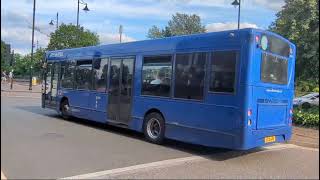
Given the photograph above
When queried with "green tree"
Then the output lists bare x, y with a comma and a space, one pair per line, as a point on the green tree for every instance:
166, 32
4, 66
155, 32
3, 48
38, 58
21, 66
71, 36
180, 24
299, 22
23, 63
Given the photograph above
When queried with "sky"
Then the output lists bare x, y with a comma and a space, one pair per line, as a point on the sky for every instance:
136, 17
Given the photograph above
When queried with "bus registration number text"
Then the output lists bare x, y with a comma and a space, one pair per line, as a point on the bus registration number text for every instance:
269, 139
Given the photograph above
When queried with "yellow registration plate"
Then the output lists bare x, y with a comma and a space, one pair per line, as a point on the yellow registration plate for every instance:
269, 139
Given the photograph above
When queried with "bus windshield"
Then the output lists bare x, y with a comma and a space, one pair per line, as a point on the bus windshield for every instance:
274, 69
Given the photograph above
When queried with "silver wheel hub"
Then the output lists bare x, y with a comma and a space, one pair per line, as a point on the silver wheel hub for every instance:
153, 128
66, 107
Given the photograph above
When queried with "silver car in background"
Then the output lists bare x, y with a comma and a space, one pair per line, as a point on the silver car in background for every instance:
307, 100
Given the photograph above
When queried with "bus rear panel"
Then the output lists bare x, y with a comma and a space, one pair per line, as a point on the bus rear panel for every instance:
270, 91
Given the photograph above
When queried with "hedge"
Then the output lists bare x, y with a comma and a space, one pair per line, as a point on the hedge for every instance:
306, 117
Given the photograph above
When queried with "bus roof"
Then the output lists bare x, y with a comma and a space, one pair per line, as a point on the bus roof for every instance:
184, 42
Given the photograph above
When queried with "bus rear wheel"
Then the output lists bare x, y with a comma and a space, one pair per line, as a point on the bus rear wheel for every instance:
65, 108
154, 128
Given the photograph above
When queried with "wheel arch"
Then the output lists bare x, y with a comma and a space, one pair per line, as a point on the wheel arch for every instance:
153, 110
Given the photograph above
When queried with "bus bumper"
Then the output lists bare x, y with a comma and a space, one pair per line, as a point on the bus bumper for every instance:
264, 137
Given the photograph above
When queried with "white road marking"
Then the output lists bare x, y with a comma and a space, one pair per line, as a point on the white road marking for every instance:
3, 177
164, 163
286, 146
279, 146
157, 164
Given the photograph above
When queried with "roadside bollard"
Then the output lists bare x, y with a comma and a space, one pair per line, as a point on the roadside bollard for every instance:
11, 83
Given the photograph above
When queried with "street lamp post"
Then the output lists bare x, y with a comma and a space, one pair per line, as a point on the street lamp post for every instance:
86, 9
57, 21
32, 45
236, 3
11, 65
78, 14
120, 32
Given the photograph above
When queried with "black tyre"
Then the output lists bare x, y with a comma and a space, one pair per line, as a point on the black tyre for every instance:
306, 105
154, 128
65, 109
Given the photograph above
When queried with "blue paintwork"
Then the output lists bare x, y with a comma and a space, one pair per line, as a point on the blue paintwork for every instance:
219, 120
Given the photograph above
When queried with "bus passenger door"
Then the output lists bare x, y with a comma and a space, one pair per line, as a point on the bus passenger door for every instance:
120, 90
51, 84
54, 83
47, 85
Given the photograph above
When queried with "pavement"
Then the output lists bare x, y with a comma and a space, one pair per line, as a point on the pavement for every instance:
307, 137
37, 143
20, 89
19, 86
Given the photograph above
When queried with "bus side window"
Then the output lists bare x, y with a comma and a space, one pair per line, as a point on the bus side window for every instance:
223, 68
67, 75
189, 75
156, 76
84, 74
100, 72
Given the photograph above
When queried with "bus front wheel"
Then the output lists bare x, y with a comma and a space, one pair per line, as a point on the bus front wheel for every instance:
154, 127
65, 108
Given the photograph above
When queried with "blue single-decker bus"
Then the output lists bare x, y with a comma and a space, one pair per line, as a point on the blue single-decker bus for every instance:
230, 89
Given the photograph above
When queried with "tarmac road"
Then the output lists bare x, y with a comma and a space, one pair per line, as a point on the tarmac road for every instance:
37, 143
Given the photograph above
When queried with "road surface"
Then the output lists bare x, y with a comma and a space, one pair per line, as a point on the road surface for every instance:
37, 143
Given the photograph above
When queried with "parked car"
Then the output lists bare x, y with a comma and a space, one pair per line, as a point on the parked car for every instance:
307, 100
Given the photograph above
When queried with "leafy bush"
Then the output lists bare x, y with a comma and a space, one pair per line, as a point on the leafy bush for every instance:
305, 87
306, 117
